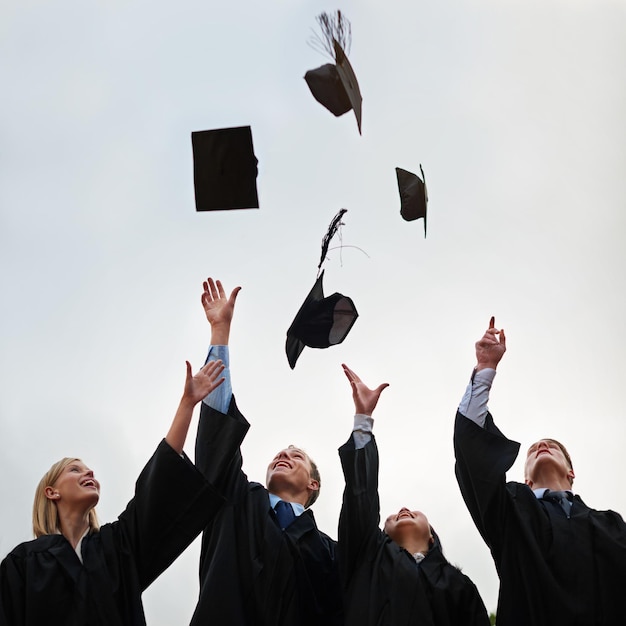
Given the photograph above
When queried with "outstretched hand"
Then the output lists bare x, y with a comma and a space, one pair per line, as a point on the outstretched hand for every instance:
491, 347
365, 399
204, 382
196, 388
218, 309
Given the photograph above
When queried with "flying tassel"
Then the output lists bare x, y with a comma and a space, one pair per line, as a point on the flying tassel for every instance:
334, 27
332, 230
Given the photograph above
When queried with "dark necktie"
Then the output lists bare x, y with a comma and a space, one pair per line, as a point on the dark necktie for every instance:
562, 498
284, 514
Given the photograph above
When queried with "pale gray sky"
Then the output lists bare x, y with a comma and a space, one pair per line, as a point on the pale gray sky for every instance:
516, 111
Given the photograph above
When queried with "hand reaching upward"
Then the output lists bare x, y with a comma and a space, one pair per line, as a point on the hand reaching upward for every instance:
491, 347
196, 388
219, 310
204, 382
365, 399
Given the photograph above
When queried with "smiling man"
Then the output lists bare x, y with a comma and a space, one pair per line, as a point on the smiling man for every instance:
293, 476
399, 575
560, 562
263, 561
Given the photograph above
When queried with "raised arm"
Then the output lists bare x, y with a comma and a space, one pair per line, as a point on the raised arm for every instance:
490, 349
360, 512
219, 312
196, 388
222, 427
483, 454
173, 502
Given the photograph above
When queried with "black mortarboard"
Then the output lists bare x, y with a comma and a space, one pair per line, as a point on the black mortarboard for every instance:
326, 87
335, 85
224, 169
321, 322
413, 195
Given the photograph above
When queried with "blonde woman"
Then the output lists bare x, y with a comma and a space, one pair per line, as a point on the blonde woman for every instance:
77, 572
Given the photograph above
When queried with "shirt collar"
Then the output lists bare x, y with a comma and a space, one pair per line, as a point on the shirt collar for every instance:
298, 508
539, 492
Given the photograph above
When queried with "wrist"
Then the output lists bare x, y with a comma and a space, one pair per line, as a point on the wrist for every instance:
220, 334
188, 402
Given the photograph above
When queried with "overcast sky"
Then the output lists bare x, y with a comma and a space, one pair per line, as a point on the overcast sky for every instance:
514, 109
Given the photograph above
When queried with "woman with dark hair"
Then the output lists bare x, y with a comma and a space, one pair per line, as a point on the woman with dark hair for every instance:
398, 576
77, 572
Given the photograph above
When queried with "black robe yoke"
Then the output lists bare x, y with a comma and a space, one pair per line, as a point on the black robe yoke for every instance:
251, 572
383, 584
554, 571
43, 582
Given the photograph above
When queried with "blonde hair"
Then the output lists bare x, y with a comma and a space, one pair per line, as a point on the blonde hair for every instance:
45, 514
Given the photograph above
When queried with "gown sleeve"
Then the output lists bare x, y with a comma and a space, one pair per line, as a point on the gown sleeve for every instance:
218, 453
360, 511
173, 503
483, 456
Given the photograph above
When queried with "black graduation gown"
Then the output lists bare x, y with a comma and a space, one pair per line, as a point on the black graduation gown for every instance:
43, 581
554, 571
252, 572
382, 582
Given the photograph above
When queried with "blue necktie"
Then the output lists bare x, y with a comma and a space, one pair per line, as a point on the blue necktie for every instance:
284, 514
562, 498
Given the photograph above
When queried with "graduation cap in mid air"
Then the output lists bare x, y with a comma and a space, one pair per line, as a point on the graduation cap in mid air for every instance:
413, 195
334, 85
224, 169
321, 322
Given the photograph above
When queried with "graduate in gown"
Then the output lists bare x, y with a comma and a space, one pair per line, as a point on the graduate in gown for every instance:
560, 562
77, 573
399, 576
257, 568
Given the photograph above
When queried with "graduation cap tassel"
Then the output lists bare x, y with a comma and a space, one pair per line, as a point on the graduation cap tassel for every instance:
321, 321
334, 27
334, 85
332, 229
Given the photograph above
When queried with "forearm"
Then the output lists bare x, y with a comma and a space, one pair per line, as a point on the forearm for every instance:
473, 405
219, 399
177, 434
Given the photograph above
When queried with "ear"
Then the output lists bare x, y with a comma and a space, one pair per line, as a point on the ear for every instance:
529, 482
313, 485
51, 494
571, 475
431, 540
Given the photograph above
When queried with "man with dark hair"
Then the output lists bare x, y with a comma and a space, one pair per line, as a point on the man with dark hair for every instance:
398, 575
560, 562
263, 561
